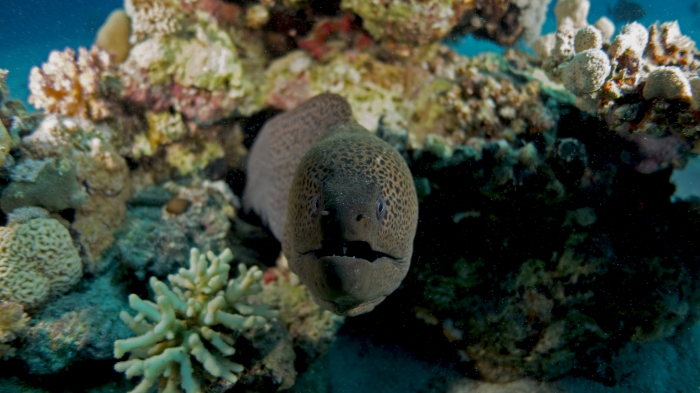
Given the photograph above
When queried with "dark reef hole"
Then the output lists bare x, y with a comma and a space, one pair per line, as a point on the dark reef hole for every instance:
77, 377
253, 124
67, 214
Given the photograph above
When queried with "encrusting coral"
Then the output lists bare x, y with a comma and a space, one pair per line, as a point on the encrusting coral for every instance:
37, 258
13, 322
194, 319
49, 183
71, 86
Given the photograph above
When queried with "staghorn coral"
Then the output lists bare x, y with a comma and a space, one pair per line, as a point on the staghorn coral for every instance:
171, 332
72, 86
37, 261
13, 323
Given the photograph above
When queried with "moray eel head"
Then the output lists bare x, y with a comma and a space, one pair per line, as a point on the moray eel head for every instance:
351, 218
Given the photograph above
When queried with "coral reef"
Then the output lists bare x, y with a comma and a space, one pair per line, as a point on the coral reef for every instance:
37, 261
13, 322
402, 26
641, 83
155, 236
171, 331
72, 86
81, 325
199, 73
312, 328
98, 166
49, 183
542, 291
455, 98
504, 21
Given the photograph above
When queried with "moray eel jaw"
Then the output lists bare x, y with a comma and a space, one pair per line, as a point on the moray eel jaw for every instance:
346, 284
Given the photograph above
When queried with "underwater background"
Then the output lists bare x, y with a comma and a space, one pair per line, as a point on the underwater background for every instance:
557, 176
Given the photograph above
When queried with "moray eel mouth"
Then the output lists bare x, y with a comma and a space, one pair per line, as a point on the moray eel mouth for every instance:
351, 249
343, 275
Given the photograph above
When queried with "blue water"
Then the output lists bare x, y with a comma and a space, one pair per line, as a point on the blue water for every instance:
30, 29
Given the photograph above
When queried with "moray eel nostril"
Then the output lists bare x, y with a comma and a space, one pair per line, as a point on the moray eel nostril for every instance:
341, 201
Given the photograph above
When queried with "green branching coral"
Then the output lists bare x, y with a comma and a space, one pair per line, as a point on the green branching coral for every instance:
181, 326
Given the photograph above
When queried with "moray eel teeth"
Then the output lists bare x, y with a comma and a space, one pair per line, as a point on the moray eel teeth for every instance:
351, 249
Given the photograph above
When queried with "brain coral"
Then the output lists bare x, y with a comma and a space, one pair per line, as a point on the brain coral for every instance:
201, 306
37, 261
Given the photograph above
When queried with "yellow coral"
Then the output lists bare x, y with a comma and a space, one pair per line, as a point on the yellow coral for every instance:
113, 35
37, 261
71, 86
13, 321
5, 144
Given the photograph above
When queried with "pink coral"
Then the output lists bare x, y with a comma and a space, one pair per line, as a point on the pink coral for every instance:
71, 86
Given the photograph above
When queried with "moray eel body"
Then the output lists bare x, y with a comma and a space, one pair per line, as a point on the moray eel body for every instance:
341, 201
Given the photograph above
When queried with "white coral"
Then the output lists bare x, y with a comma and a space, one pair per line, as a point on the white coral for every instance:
175, 329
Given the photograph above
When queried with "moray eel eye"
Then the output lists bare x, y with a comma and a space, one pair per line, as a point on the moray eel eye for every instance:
381, 207
315, 204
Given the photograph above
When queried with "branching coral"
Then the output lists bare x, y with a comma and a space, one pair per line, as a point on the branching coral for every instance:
37, 261
13, 322
70, 86
181, 326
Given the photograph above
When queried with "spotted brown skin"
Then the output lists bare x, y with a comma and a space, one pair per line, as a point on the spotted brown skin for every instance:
349, 210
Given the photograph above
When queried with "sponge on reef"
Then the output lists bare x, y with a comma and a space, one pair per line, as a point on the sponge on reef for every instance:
37, 261
113, 35
201, 306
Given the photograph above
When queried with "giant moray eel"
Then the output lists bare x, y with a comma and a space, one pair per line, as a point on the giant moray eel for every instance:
341, 201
